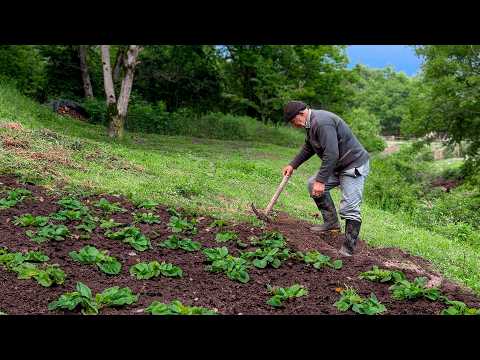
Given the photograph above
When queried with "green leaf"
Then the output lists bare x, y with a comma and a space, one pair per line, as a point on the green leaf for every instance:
275, 301
260, 263
226, 236
108, 207
176, 308
110, 266
109, 224
115, 296
87, 255
170, 270
67, 301
84, 290
337, 264
148, 204
30, 220
36, 256
148, 218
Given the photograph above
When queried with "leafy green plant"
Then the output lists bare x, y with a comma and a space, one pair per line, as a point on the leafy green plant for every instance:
350, 299
174, 212
49, 232
269, 239
69, 203
35, 256
149, 205
319, 260
90, 305
116, 296
13, 259
263, 257
177, 308
3, 313
382, 275
132, 236
221, 261
67, 214
46, 276
406, 290
459, 308
281, 294
81, 297
144, 271
91, 255
21, 263
109, 207
14, 197
226, 236
30, 220
87, 226
109, 224
174, 242
178, 224
148, 218
218, 223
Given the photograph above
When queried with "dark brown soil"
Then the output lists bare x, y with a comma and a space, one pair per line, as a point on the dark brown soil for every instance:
199, 287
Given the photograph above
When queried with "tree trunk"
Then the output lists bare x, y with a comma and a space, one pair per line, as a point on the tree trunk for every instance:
118, 63
87, 85
117, 110
107, 76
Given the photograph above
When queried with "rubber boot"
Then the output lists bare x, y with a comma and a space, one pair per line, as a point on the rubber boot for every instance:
352, 229
329, 213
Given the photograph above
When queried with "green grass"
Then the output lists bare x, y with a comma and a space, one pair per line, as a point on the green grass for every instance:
220, 178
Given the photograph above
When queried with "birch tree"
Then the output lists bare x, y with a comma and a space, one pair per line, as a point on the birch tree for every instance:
117, 108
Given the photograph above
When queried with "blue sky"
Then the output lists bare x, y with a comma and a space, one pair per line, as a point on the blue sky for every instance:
401, 57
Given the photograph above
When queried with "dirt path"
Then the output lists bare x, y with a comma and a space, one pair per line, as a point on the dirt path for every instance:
199, 287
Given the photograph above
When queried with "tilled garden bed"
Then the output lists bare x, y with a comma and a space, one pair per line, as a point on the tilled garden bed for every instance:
197, 286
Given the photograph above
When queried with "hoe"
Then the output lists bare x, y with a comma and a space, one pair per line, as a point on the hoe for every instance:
263, 215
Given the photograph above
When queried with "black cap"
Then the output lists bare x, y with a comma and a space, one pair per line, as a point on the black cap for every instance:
292, 109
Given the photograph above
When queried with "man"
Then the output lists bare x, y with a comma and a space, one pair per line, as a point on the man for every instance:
345, 163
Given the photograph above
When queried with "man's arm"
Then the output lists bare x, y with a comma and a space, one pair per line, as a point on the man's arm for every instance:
327, 137
305, 153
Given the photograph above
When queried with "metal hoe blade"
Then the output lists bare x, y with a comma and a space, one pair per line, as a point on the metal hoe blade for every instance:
260, 214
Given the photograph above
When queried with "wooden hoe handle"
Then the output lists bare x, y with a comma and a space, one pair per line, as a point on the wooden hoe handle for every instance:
277, 194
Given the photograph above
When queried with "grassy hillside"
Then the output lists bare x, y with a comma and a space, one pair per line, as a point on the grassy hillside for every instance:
220, 178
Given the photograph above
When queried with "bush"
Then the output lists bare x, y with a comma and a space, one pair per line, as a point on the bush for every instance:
366, 127
153, 118
24, 66
396, 180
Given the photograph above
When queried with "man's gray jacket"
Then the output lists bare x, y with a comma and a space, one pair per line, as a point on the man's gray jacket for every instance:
332, 140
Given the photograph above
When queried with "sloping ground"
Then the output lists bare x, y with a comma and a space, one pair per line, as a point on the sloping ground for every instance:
198, 287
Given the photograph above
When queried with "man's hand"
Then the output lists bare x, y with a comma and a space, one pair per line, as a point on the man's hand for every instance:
287, 170
318, 188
